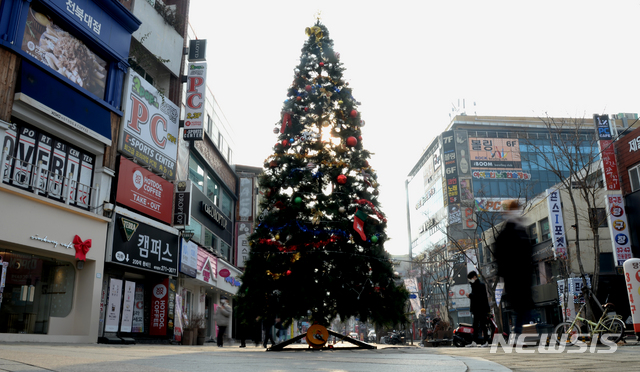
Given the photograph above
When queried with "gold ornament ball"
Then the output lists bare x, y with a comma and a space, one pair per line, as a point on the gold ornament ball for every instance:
277, 236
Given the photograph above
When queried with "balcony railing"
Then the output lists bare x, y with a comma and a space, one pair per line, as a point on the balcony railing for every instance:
40, 181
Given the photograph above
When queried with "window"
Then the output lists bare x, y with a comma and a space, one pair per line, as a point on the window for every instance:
36, 289
225, 251
225, 204
598, 217
544, 230
533, 234
197, 231
196, 172
634, 178
209, 124
210, 240
213, 191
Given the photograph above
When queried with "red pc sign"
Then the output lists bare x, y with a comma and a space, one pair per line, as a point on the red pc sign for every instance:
195, 103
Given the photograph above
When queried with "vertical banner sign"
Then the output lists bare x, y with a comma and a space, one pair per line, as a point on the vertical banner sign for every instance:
499, 290
188, 258
469, 219
617, 219
128, 306
137, 325
182, 204
195, 102
632, 279
177, 328
113, 307
245, 199
159, 307
451, 191
150, 126
556, 223
412, 286
605, 141
462, 153
243, 230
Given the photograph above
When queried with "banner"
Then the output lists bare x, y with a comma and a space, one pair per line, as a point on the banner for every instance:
177, 328
159, 308
618, 228
243, 231
113, 307
632, 279
189, 258
128, 306
150, 126
450, 181
137, 325
556, 223
412, 286
195, 101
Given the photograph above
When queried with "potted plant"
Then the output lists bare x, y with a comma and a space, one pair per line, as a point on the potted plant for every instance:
187, 335
199, 323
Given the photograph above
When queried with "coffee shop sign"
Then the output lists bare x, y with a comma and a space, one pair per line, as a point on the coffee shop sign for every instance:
55, 243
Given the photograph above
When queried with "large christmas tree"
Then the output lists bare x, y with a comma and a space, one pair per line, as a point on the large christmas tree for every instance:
318, 248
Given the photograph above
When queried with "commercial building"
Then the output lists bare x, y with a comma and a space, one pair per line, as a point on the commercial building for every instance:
63, 66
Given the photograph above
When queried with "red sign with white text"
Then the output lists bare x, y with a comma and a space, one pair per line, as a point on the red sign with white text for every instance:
610, 165
144, 191
159, 308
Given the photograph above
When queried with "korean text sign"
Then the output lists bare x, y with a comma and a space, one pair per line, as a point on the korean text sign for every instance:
150, 126
556, 223
618, 227
195, 102
144, 191
137, 244
632, 281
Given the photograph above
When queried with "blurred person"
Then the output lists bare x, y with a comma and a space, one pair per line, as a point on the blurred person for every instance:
223, 313
423, 324
513, 256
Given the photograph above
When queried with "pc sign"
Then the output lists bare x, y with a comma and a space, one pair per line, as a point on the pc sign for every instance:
195, 103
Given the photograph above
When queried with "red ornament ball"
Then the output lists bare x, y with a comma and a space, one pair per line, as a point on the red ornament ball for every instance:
354, 113
321, 64
308, 88
306, 109
298, 98
342, 179
285, 143
352, 141
288, 272
360, 138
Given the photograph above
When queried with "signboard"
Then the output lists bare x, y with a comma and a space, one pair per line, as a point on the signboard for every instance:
159, 308
139, 245
143, 191
489, 204
137, 325
556, 223
632, 280
57, 49
207, 266
618, 228
462, 153
150, 126
113, 307
454, 214
495, 153
607, 151
499, 291
450, 187
245, 199
189, 258
466, 189
128, 306
243, 231
57, 160
195, 101
182, 204
197, 50
229, 282
469, 219
500, 175
412, 286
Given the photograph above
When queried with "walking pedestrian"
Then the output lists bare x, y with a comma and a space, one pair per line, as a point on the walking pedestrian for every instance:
221, 318
513, 257
267, 324
423, 324
480, 309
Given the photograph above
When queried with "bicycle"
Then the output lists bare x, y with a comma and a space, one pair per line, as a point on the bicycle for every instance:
608, 323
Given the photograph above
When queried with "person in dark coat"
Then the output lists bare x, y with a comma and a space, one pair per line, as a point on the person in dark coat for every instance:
267, 324
479, 308
513, 256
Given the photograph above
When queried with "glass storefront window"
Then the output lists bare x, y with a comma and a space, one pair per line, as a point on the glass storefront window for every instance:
225, 251
213, 190
225, 204
36, 289
197, 231
210, 240
196, 173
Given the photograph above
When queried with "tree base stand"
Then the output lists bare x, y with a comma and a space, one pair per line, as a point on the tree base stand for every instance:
358, 344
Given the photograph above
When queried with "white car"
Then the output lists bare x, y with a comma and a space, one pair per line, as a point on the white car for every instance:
354, 335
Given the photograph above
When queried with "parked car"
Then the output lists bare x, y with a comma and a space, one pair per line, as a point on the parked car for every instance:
371, 337
354, 335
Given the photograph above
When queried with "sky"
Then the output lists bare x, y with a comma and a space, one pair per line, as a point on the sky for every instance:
410, 63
